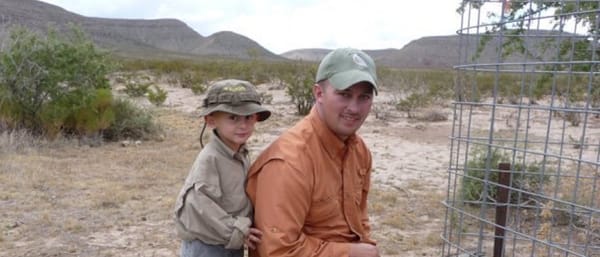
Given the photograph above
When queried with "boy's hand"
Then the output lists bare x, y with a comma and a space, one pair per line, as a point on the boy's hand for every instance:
253, 238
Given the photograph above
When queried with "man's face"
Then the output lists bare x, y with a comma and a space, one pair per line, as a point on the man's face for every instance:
344, 111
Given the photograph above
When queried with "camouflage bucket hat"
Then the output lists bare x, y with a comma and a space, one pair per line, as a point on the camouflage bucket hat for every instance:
234, 96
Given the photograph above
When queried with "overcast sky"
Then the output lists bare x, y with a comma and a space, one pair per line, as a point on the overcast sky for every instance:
283, 25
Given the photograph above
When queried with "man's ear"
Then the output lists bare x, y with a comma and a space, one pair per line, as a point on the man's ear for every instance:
318, 91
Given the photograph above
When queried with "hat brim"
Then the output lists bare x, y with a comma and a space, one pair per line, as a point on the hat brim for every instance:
345, 79
244, 109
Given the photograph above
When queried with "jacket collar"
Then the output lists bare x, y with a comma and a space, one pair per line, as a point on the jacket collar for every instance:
225, 150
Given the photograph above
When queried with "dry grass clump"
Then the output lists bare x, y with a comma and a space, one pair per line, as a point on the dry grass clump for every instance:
19, 141
433, 116
399, 212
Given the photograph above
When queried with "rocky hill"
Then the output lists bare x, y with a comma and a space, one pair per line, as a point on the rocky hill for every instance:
443, 51
133, 37
173, 38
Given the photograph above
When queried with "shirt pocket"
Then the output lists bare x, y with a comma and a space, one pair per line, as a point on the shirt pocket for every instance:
323, 210
359, 185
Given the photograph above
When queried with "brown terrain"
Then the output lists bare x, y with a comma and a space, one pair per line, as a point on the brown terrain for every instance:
65, 198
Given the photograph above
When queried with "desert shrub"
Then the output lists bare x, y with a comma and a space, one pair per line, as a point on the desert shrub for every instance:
131, 122
135, 88
573, 117
265, 97
525, 176
191, 79
78, 113
299, 84
57, 72
157, 96
198, 89
411, 103
434, 116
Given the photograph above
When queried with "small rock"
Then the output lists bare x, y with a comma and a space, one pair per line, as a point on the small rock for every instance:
125, 143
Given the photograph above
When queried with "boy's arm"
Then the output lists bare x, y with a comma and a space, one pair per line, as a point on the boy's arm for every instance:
282, 198
201, 215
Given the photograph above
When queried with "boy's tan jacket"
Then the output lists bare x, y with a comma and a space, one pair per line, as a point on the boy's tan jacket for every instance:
212, 205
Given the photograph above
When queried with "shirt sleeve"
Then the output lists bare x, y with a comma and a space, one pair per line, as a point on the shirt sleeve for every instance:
282, 202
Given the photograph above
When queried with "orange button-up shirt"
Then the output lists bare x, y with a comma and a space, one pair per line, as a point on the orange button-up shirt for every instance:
309, 190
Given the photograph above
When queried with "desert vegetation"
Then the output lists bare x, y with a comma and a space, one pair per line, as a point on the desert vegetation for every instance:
71, 186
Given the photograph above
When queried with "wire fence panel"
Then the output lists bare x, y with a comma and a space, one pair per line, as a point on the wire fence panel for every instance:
523, 175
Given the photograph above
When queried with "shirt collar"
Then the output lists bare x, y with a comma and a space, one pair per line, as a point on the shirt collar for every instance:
334, 146
224, 149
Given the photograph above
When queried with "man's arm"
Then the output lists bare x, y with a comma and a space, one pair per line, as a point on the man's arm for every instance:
365, 195
282, 201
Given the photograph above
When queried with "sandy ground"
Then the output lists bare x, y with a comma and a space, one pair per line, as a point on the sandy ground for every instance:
74, 200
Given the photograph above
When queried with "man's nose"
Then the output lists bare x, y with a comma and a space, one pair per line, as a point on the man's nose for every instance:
353, 105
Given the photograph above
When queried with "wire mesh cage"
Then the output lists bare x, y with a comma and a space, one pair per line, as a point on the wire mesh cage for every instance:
523, 175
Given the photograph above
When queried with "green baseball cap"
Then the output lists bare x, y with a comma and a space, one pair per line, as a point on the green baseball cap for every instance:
344, 67
234, 96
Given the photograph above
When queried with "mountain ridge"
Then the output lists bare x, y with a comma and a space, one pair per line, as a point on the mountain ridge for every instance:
172, 38
122, 35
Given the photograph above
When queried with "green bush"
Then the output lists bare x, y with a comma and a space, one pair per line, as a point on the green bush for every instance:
79, 113
299, 87
130, 122
411, 103
525, 176
265, 98
198, 89
157, 96
136, 89
62, 73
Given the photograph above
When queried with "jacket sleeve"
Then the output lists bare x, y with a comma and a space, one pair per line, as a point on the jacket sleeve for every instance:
282, 200
202, 216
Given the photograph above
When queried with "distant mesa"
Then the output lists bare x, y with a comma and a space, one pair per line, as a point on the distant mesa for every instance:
171, 38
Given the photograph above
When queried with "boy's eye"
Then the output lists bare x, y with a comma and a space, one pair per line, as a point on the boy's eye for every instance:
234, 117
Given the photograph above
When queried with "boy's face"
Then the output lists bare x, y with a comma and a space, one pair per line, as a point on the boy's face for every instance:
234, 130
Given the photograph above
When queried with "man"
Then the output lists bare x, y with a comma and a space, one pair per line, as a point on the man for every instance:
310, 186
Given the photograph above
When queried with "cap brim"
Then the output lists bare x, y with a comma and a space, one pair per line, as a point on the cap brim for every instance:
345, 79
243, 109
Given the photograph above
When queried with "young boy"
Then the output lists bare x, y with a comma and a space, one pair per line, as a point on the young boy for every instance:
213, 213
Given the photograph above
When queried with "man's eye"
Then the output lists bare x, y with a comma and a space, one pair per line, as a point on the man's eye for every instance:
344, 94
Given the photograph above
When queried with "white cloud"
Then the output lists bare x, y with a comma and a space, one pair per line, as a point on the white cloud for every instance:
285, 25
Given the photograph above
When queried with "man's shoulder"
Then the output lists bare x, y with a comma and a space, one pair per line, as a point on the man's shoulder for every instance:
292, 147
